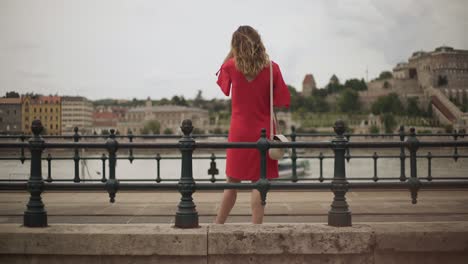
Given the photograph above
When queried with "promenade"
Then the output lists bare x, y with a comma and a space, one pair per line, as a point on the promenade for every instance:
282, 206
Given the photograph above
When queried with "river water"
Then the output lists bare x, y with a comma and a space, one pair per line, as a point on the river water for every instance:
171, 168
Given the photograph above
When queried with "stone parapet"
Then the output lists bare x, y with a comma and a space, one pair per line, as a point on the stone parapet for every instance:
435, 242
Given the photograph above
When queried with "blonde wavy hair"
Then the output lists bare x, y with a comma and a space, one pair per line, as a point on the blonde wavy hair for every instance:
248, 51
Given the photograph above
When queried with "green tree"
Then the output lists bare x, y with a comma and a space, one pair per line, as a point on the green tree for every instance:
151, 127
389, 122
356, 84
387, 104
348, 101
168, 131
464, 107
179, 100
412, 108
385, 75
374, 129
12, 94
429, 110
199, 101
198, 131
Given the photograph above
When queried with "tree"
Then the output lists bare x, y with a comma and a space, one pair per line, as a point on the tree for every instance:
385, 75
151, 127
374, 129
12, 94
348, 101
198, 101
412, 108
387, 104
168, 131
356, 84
389, 122
429, 110
176, 100
198, 131
464, 107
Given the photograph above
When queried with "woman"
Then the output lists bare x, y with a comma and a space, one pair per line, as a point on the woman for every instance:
245, 74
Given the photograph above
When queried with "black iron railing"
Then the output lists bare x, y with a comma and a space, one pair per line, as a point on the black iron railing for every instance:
186, 215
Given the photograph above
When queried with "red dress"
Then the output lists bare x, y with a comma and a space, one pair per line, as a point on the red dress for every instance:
250, 113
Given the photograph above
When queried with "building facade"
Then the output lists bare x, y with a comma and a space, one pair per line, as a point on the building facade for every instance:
77, 111
437, 78
48, 109
445, 69
169, 117
10, 116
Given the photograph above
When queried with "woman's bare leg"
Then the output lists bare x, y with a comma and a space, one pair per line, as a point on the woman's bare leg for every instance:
229, 199
258, 210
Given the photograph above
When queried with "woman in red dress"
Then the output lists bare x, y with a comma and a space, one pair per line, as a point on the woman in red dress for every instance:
245, 75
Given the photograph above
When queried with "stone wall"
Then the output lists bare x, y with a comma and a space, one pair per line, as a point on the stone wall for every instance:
436, 242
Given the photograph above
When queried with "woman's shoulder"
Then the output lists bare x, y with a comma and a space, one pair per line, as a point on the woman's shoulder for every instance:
228, 64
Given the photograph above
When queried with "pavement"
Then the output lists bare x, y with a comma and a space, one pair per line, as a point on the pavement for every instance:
282, 206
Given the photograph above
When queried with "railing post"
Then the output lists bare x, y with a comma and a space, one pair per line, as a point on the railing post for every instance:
103, 159
35, 214
158, 168
76, 157
112, 184
130, 150
414, 183
339, 214
294, 155
263, 184
402, 155
22, 157
49, 168
186, 215
213, 170
455, 150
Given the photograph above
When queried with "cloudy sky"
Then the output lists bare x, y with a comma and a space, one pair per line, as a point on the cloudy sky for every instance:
138, 48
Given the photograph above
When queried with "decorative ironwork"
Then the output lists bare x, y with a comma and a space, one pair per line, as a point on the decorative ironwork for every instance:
339, 214
35, 214
186, 215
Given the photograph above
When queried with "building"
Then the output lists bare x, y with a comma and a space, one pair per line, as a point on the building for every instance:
437, 78
104, 121
10, 116
77, 111
169, 117
445, 69
48, 109
308, 85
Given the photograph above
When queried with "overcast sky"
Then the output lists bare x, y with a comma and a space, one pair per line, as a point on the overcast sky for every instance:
135, 48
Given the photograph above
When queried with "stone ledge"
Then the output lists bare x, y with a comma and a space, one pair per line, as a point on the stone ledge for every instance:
103, 239
421, 237
289, 239
436, 242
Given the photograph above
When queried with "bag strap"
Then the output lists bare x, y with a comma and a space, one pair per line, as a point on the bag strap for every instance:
273, 119
271, 101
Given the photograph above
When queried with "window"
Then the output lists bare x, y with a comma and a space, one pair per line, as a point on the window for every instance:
51, 126
34, 109
45, 110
